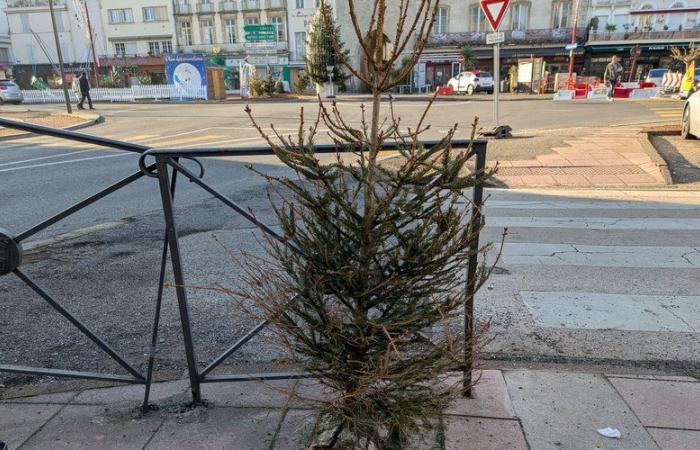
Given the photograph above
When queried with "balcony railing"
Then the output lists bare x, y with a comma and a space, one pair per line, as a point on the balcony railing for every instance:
644, 35
275, 4
544, 36
228, 7
247, 5
34, 3
204, 8
238, 47
183, 8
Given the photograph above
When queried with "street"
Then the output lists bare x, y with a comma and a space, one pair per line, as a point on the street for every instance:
587, 277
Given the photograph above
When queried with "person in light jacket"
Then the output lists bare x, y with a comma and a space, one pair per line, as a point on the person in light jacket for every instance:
612, 76
84, 90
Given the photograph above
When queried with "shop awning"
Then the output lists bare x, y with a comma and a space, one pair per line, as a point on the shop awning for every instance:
651, 47
527, 52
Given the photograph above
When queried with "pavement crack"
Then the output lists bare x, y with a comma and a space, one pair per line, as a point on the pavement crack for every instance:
673, 313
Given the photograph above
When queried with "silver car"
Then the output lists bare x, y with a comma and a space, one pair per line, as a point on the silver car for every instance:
690, 126
10, 93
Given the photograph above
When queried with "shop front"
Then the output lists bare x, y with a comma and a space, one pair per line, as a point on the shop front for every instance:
652, 55
135, 68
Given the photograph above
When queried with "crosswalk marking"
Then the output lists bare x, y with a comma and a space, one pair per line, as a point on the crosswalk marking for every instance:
596, 311
595, 223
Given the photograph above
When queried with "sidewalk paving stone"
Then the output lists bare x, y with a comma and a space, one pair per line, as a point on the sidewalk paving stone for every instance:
18, 422
489, 397
675, 439
476, 433
132, 393
669, 404
267, 394
218, 428
565, 410
94, 427
60, 397
296, 430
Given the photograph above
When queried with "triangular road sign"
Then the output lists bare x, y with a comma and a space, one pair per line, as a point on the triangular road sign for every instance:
494, 11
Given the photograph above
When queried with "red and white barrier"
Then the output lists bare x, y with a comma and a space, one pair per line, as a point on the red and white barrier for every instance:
672, 80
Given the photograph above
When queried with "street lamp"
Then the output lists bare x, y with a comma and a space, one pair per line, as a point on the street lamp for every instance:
329, 69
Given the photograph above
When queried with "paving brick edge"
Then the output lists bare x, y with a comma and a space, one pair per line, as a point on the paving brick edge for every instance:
95, 119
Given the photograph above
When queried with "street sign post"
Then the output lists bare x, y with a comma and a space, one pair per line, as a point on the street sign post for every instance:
494, 10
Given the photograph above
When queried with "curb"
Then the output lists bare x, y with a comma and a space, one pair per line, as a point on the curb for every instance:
95, 119
660, 163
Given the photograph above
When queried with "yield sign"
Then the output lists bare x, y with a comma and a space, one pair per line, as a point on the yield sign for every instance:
494, 11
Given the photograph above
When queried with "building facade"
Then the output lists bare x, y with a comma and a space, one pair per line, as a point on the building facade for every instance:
136, 34
6, 58
218, 29
538, 30
618, 26
33, 44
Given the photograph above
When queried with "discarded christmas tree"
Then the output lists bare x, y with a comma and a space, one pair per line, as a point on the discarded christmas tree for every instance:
366, 284
320, 51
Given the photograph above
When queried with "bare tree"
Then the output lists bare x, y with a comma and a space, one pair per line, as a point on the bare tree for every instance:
371, 259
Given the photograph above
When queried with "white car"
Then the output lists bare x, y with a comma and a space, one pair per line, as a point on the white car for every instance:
472, 81
690, 127
656, 76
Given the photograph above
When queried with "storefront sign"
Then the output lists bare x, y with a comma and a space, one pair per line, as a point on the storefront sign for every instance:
262, 60
188, 72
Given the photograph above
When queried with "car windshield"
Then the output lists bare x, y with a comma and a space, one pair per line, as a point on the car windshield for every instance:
657, 72
483, 75
7, 83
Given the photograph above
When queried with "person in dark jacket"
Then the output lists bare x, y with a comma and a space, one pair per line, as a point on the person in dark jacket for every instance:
84, 90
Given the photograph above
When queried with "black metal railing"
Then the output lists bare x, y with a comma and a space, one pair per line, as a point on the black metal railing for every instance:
165, 168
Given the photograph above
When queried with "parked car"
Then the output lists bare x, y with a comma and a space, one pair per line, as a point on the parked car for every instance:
690, 126
472, 81
656, 76
10, 93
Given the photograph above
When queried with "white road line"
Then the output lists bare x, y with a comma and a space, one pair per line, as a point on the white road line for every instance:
535, 253
598, 311
33, 246
595, 223
583, 204
33, 166
43, 157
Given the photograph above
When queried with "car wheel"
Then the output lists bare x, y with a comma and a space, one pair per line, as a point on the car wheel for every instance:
490, 91
470, 89
685, 124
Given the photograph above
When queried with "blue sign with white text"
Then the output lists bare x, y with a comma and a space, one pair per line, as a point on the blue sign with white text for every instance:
188, 73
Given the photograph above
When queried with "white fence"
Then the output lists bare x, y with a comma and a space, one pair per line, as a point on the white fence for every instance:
140, 92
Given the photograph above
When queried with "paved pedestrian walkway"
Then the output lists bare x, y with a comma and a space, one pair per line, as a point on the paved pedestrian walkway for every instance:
615, 157
510, 409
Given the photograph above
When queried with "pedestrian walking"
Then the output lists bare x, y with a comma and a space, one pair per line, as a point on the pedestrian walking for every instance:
84, 85
612, 76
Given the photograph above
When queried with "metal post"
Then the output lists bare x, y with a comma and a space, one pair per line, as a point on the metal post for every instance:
176, 261
476, 219
570, 80
497, 81
60, 59
92, 45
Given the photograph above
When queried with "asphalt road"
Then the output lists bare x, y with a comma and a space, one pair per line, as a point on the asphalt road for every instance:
568, 246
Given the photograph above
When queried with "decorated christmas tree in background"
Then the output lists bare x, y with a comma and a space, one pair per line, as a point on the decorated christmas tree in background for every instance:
320, 51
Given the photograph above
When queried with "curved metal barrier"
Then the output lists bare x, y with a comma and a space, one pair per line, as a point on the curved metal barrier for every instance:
165, 169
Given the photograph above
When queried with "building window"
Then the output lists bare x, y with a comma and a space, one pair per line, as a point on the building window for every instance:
186, 33
24, 20
207, 31
477, 18
440, 26
155, 13
520, 14
120, 49
124, 15
300, 44
300, 4
252, 20
4, 55
154, 48
167, 46
230, 25
279, 28
560, 15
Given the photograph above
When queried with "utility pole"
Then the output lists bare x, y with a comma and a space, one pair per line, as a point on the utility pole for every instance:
92, 45
60, 59
570, 81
